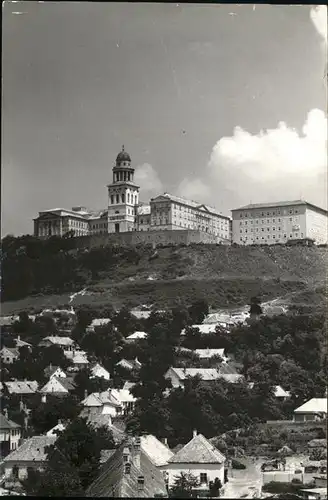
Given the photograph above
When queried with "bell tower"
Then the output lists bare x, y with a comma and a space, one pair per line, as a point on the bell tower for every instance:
123, 196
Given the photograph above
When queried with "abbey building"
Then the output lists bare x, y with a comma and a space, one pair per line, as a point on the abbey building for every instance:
125, 212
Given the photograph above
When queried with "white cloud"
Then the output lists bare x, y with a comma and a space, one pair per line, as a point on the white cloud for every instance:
148, 180
193, 189
318, 15
272, 165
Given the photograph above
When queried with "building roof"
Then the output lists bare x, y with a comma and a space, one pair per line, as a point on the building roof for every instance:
140, 314
101, 398
21, 343
279, 392
63, 212
123, 395
123, 156
206, 374
59, 385
5, 423
314, 405
96, 368
79, 358
105, 455
137, 336
209, 353
32, 450
198, 451
114, 482
61, 341
99, 322
251, 206
50, 370
158, 452
128, 385
22, 387
10, 350
205, 329
59, 427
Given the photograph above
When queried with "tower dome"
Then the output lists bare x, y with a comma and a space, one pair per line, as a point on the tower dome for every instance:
123, 156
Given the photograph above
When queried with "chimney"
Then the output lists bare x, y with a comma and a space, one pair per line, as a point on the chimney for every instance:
141, 483
59, 422
165, 442
5, 412
18, 338
194, 433
21, 405
85, 394
137, 452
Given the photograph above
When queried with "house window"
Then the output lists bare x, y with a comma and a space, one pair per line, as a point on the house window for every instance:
203, 478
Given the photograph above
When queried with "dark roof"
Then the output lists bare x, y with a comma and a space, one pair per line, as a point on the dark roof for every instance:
114, 482
68, 383
5, 423
50, 370
123, 156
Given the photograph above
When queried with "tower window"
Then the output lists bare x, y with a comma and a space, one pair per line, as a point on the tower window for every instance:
123, 198
117, 198
112, 200
128, 197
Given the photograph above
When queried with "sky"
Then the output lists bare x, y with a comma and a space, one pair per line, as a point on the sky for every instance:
222, 104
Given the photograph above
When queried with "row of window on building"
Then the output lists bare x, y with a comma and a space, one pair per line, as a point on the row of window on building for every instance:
273, 237
268, 221
262, 229
121, 199
263, 214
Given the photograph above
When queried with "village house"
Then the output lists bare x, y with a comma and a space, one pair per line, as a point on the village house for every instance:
136, 336
21, 387
21, 343
30, 455
78, 360
99, 371
66, 343
314, 409
9, 355
199, 458
279, 392
129, 473
126, 399
178, 376
129, 365
58, 387
204, 329
105, 401
10, 434
54, 371
60, 427
96, 323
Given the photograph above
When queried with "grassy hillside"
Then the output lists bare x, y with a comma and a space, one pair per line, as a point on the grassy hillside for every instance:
43, 273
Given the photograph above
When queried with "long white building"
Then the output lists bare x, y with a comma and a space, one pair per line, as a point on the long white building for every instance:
279, 222
126, 213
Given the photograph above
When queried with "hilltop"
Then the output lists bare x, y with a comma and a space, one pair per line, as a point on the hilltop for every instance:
38, 273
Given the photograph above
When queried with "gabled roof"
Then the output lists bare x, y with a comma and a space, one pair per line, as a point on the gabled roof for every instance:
13, 351
50, 370
158, 452
279, 392
61, 341
22, 343
22, 387
123, 395
198, 451
59, 427
314, 405
114, 482
128, 385
5, 423
207, 374
32, 450
58, 385
79, 358
101, 398
137, 336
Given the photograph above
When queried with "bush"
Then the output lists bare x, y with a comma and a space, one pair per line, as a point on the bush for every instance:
235, 464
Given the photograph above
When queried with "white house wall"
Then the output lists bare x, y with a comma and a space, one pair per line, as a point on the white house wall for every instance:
212, 470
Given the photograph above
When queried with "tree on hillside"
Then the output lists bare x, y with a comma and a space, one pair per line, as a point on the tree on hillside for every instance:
255, 307
198, 311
